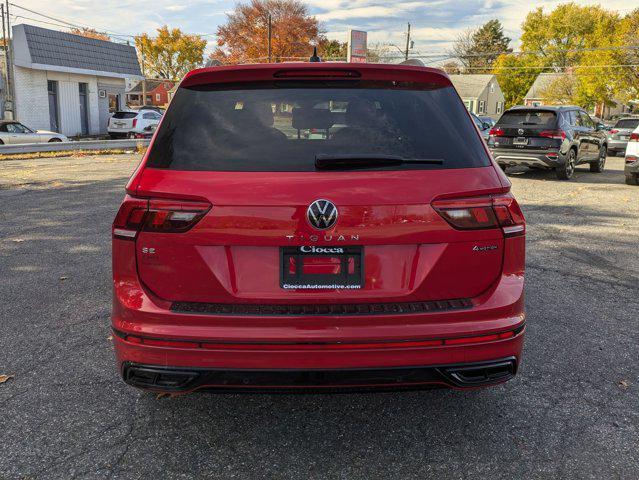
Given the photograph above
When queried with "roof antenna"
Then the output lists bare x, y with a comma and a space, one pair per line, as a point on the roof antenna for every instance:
314, 58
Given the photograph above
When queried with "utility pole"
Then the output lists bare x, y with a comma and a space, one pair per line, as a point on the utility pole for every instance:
269, 38
407, 41
8, 52
6, 61
143, 74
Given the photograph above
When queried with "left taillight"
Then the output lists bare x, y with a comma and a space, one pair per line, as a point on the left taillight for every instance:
157, 215
478, 213
634, 137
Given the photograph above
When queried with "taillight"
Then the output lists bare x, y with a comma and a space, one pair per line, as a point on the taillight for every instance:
478, 213
634, 137
557, 134
495, 132
614, 130
135, 122
157, 215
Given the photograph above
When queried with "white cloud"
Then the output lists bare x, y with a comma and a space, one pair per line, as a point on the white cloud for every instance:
175, 8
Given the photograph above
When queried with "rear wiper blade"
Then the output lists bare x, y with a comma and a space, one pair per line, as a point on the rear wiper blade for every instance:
362, 160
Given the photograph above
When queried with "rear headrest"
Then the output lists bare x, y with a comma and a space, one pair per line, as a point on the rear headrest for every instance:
306, 118
256, 113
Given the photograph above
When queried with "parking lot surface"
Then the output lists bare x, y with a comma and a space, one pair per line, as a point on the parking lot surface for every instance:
572, 412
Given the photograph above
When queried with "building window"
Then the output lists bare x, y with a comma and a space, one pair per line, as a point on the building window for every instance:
492, 88
499, 107
52, 88
157, 97
482, 106
469, 105
113, 103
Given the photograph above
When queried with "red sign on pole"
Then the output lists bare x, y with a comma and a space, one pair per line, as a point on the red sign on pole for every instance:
357, 46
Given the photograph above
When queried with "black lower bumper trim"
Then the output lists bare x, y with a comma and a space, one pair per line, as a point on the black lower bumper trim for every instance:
182, 380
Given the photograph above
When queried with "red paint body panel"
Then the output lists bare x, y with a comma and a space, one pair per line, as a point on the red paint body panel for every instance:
231, 256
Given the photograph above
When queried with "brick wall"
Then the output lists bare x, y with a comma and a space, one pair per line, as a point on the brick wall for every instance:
32, 101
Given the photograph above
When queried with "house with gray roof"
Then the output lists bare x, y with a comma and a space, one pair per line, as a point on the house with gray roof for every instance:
535, 95
481, 94
69, 83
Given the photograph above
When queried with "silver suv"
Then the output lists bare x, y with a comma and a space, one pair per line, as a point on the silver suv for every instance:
620, 133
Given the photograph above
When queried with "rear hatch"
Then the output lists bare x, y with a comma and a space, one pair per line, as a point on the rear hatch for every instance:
122, 120
237, 166
624, 128
532, 129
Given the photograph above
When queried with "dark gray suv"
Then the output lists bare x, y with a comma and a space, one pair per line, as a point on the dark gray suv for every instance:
558, 138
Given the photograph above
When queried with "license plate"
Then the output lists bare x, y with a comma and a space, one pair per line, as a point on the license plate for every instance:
520, 141
624, 137
321, 267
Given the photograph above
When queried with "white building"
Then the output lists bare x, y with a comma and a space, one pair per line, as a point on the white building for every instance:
69, 83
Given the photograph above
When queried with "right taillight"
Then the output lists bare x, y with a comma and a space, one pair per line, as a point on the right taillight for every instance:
496, 132
478, 213
157, 215
556, 134
634, 137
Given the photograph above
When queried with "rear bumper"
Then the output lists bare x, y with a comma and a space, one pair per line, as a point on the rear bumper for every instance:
617, 145
528, 158
183, 380
215, 347
632, 167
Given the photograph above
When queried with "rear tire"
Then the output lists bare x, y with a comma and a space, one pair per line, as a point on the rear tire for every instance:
611, 153
598, 166
567, 170
502, 166
1, 142
54, 140
632, 179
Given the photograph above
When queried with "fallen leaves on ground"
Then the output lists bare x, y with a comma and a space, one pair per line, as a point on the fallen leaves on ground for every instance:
4, 378
624, 384
63, 278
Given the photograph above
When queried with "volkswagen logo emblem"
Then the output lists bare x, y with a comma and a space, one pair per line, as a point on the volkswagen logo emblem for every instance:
322, 214
520, 131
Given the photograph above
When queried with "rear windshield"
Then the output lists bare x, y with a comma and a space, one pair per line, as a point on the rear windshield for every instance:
630, 123
121, 115
528, 117
280, 128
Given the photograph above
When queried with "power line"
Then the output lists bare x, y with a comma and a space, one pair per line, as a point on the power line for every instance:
80, 25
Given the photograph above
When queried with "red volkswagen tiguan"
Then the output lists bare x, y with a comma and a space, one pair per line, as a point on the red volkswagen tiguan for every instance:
317, 226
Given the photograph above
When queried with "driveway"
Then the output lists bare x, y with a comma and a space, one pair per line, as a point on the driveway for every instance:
572, 412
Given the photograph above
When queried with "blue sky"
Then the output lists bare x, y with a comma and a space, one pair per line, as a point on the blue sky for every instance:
435, 23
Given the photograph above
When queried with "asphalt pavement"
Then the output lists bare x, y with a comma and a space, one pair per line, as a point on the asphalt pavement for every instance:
572, 412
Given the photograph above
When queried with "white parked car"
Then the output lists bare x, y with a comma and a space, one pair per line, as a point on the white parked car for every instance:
127, 124
632, 158
12, 133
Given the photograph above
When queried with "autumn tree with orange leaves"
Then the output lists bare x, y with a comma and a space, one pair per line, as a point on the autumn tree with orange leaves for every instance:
90, 33
244, 37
